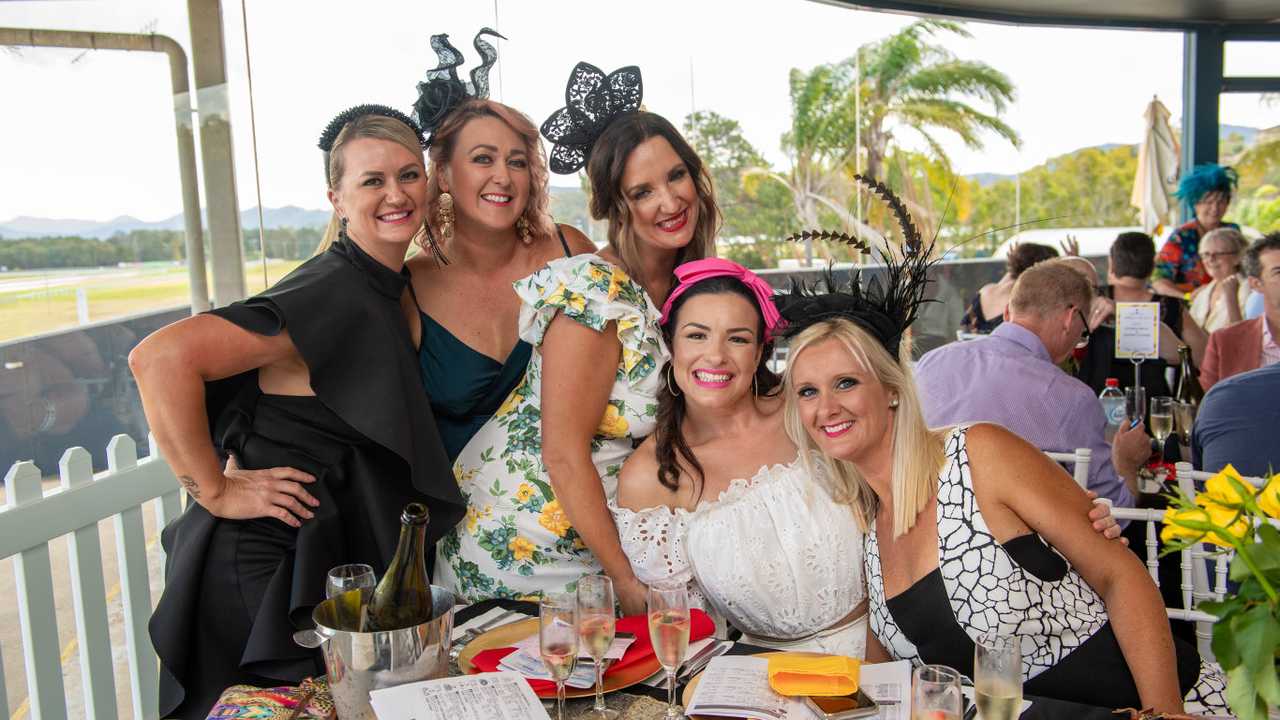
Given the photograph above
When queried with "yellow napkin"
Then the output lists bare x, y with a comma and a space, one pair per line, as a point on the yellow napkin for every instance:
810, 674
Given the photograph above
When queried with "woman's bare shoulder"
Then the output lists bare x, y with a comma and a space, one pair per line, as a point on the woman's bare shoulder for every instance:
638, 486
577, 241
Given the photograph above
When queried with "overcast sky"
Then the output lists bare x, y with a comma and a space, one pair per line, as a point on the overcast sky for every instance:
91, 135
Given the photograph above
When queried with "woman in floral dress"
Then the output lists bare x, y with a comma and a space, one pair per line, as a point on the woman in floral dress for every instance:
538, 476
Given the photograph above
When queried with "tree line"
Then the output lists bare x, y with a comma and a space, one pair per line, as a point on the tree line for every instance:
139, 246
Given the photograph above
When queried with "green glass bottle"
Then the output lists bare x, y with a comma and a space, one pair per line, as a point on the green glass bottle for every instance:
403, 597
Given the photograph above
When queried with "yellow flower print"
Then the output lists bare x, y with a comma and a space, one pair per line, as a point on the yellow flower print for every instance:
612, 425
616, 281
597, 273
521, 549
630, 358
567, 299
554, 519
464, 475
512, 402
475, 515
524, 492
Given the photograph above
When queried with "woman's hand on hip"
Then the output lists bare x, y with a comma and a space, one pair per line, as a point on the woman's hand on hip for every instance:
274, 492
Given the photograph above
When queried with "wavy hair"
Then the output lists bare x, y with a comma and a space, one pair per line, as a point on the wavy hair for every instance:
671, 448
606, 166
445, 140
918, 452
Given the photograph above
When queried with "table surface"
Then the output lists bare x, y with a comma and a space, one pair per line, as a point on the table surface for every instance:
641, 702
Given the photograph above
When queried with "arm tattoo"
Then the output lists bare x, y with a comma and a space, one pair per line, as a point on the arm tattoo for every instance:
190, 485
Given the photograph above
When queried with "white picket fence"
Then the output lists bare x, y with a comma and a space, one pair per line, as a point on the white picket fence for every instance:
31, 519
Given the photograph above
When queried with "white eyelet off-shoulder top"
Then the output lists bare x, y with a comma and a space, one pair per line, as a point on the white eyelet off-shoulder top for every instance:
774, 554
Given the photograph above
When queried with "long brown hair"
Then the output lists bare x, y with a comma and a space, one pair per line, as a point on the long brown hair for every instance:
445, 139
672, 450
608, 162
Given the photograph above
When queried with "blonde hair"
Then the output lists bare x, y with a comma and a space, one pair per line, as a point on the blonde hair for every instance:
1051, 285
918, 453
606, 167
444, 141
378, 127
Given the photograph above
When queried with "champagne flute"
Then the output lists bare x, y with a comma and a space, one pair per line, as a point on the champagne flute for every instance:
558, 639
596, 626
356, 576
669, 632
1184, 417
1161, 418
935, 693
997, 676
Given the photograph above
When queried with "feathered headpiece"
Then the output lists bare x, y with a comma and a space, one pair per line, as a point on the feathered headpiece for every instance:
1204, 179
442, 91
887, 305
591, 101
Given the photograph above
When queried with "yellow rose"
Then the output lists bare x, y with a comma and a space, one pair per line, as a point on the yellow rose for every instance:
554, 519
567, 299
1173, 531
612, 425
524, 492
616, 281
513, 400
521, 549
1220, 490
1269, 497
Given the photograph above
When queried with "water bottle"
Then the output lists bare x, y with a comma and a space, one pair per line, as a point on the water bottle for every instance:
1112, 399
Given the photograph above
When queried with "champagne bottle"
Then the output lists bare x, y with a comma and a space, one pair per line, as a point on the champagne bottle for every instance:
403, 597
1189, 390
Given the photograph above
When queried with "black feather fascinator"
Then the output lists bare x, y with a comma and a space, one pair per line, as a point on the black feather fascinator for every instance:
886, 305
443, 90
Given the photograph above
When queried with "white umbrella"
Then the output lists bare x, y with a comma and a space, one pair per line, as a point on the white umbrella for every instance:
1157, 175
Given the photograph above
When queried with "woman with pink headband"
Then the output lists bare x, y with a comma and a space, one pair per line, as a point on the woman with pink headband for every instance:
719, 496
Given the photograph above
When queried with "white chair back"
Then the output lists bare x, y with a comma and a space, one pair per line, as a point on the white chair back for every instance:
1079, 461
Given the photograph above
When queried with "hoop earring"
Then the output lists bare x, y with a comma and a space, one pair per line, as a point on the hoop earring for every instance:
444, 215
522, 229
755, 387
671, 390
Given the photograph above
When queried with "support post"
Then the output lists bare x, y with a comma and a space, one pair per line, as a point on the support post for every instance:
1201, 85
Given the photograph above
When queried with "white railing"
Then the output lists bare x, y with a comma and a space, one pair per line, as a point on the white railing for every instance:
1079, 461
31, 519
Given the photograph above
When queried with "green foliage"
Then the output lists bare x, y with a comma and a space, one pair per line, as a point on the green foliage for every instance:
139, 246
752, 222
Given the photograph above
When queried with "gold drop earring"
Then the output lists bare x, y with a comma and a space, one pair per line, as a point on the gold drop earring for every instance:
444, 216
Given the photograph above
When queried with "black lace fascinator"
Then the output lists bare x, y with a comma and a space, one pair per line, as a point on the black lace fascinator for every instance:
592, 100
443, 90
886, 305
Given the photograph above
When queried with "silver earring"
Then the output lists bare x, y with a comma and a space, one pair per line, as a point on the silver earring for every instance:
670, 389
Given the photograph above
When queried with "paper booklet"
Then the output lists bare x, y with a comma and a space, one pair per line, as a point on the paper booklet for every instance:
487, 696
738, 686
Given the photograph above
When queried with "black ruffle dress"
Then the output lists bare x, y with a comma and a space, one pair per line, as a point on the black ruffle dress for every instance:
236, 590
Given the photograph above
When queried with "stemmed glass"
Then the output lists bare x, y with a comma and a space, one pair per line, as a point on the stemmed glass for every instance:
997, 676
1161, 418
1184, 418
596, 626
558, 639
669, 632
343, 578
935, 693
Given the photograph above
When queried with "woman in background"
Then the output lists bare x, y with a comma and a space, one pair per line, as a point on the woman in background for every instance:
1220, 302
1179, 269
986, 311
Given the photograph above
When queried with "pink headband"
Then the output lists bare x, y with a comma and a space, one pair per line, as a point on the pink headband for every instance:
694, 272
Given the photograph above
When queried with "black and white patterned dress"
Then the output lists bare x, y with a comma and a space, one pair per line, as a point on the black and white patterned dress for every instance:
1022, 587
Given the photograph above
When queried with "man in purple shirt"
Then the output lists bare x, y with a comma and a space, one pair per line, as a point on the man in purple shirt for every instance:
1012, 378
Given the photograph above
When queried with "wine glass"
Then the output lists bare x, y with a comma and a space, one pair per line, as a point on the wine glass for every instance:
669, 632
1135, 402
558, 639
596, 626
997, 676
935, 693
356, 576
1184, 418
1161, 418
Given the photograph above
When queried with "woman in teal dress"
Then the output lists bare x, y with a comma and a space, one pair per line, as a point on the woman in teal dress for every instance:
487, 211
538, 475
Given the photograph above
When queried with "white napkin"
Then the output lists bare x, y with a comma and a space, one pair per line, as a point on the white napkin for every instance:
482, 618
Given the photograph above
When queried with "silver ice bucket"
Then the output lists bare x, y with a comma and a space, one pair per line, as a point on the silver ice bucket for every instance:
358, 662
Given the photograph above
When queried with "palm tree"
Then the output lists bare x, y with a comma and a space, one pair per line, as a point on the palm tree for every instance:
909, 82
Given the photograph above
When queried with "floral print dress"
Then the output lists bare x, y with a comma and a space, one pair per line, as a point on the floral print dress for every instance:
516, 540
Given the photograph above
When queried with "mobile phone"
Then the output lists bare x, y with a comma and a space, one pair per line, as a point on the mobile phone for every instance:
843, 707
1134, 422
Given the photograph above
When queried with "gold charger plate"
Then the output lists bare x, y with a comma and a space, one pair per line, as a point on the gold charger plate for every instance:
693, 683
508, 635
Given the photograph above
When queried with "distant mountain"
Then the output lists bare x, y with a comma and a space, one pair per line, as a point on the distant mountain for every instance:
1247, 134
29, 227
